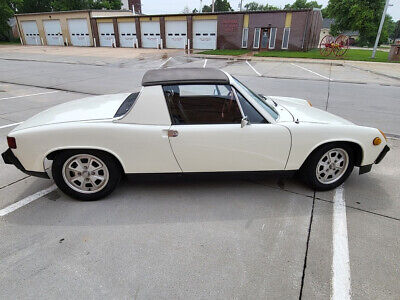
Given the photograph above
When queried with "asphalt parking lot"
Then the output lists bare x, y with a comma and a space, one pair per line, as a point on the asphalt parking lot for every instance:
237, 236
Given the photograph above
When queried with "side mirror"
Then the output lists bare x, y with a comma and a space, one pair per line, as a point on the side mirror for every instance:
245, 121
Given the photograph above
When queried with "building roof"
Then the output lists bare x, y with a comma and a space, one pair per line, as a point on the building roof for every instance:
184, 76
75, 11
225, 13
351, 33
327, 23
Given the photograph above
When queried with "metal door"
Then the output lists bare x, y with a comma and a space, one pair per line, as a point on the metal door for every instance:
107, 35
150, 34
176, 32
31, 33
127, 34
79, 32
228, 147
205, 34
52, 29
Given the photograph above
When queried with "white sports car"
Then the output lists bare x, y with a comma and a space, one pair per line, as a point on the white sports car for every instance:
189, 120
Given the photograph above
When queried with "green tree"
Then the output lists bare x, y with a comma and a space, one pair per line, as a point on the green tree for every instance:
7, 10
254, 6
363, 16
396, 34
391, 26
325, 13
303, 4
6, 13
219, 5
31, 6
62, 5
105, 4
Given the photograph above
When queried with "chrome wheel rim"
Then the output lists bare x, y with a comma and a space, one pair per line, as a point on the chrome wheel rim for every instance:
85, 173
332, 165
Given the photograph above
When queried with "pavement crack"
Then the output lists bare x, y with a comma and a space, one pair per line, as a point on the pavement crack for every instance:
363, 210
329, 87
307, 245
49, 88
14, 182
279, 188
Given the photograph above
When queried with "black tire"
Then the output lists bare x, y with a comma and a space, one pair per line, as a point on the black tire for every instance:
308, 171
112, 166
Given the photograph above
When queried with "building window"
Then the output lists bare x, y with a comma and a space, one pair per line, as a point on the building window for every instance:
272, 38
256, 42
245, 37
285, 39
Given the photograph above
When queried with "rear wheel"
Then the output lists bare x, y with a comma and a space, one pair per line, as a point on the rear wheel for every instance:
329, 166
86, 175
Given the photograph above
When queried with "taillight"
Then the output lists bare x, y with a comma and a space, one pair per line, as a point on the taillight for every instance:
12, 143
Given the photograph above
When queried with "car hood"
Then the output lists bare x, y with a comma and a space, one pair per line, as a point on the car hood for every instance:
303, 112
86, 109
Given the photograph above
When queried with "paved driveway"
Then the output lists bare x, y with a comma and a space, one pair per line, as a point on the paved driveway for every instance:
201, 236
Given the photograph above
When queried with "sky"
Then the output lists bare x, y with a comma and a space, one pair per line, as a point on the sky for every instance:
176, 6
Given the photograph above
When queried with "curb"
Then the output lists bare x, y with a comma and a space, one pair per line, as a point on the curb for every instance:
373, 72
271, 59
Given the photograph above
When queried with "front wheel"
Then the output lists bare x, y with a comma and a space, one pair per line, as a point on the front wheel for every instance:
86, 175
328, 167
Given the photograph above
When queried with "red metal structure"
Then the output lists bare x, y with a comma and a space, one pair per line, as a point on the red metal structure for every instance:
338, 46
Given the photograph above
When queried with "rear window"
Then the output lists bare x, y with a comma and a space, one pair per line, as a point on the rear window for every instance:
126, 105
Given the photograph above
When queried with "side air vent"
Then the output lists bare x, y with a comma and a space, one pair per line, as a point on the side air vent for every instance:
126, 105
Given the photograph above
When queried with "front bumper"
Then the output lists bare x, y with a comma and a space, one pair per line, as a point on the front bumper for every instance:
382, 154
367, 168
10, 159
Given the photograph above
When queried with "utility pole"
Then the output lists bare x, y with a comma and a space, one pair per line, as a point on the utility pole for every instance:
212, 7
240, 5
380, 28
201, 6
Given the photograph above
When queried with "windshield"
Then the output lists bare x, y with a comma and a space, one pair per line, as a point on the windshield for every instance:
258, 99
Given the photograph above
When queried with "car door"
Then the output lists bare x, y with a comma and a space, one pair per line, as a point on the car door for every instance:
206, 133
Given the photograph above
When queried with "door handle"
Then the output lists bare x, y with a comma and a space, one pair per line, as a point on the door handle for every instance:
173, 133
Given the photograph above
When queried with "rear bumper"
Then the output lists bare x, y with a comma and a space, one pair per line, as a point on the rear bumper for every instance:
10, 159
367, 168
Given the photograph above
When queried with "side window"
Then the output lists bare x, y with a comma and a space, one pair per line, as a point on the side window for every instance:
202, 104
248, 110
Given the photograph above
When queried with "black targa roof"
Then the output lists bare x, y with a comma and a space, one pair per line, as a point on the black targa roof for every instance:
184, 76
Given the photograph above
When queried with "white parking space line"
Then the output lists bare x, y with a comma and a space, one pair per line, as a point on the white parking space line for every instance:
31, 95
205, 62
315, 73
258, 73
10, 125
27, 200
341, 281
164, 62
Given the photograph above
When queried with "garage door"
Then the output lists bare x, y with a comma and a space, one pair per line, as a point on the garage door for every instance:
31, 33
52, 29
150, 34
79, 32
106, 33
127, 34
205, 34
176, 32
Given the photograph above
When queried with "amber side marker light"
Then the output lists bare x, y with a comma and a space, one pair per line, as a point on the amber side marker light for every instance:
309, 103
377, 141
384, 135
12, 143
